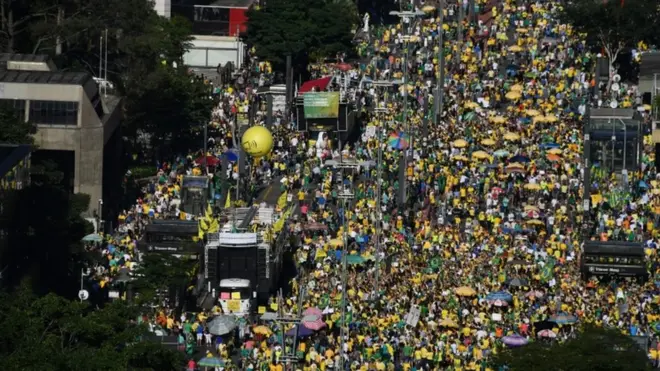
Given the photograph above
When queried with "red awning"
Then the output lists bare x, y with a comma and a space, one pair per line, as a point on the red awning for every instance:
320, 84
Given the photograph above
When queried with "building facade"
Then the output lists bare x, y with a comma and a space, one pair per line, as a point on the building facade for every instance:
70, 112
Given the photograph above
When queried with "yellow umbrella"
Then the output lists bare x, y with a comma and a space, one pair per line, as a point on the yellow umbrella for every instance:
539, 118
513, 95
551, 118
262, 330
532, 186
517, 87
535, 222
336, 242
465, 291
511, 136
488, 142
448, 323
480, 155
515, 49
532, 112
498, 119
522, 30
460, 143
555, 151
515, 165
428, 8
530, 208
647, 107
471, 105
461, 158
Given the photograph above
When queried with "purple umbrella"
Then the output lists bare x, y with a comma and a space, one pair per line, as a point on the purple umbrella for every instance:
302, 332
515, 340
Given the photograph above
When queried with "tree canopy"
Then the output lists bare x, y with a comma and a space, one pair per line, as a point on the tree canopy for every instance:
593, 349
13, 130
304, 29
52, 333
614, 25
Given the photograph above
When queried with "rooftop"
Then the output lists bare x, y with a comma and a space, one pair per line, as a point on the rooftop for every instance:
43, 77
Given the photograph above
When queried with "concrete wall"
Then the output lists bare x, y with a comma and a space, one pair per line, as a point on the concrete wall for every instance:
209, 51
86, 140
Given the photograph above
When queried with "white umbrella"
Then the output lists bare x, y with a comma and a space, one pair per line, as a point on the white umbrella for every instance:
222, 325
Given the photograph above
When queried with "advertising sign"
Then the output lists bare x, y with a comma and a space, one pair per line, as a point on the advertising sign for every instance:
321, 105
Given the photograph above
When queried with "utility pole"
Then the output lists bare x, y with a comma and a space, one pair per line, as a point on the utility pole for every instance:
438, 101
345, 194
459, 35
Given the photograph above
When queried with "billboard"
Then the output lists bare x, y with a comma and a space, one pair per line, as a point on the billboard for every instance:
321, 105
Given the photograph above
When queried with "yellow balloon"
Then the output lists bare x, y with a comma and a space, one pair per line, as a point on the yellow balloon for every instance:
257, 141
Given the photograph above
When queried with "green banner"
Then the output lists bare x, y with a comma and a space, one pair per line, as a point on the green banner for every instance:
321, 105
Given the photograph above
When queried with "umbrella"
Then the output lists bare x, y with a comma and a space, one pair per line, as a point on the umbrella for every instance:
549, 145
398, 140
231, 156
471, 105
563, 318
211, 362
534, 294
516, 87
344, 67
488, 142
532, 112
448, 323
643, 185
513, 95
515, 340
354, 259
498, 303
532, 186
314, 325
551, 119
522, 30
268, 316
553, 158
544, 325
519, 158
460, 158
518, 282
555, 151
210, 160
465, 291
313, 311
498, 119
428, 8
480, 155
535, 222
501, 153
515, 49
93, 237
546, 334
302, 332
511, 136
336, 242
460, 143
262, 330
499, 295
222, 325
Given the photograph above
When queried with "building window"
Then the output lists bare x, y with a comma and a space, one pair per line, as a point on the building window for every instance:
17, 105
46, 112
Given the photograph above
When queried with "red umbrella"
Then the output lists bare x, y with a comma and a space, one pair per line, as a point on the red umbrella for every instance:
344, 67
210, 160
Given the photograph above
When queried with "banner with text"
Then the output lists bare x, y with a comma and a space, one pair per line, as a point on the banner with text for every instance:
321, 105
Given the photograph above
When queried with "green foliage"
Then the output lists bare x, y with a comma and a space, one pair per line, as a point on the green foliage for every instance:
594, 348
163, 271
139, 172
301, 28
13, 130
613, 24
52, 333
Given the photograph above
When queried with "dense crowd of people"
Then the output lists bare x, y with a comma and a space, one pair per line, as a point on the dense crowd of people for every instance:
483, 252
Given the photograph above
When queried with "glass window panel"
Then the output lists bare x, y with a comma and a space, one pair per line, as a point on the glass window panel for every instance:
53, 112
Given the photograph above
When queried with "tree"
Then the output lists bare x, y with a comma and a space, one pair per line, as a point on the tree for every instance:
52, 333
12, 129
594, 348
301, 28
614, 25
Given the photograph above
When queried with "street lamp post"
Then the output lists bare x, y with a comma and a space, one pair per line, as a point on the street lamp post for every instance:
439, 97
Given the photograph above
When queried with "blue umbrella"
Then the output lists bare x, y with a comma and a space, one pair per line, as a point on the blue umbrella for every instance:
302, 332
93, 237
519, 158
549, 145
231, 156
642, 184
499, 295
211, 362
563, 318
